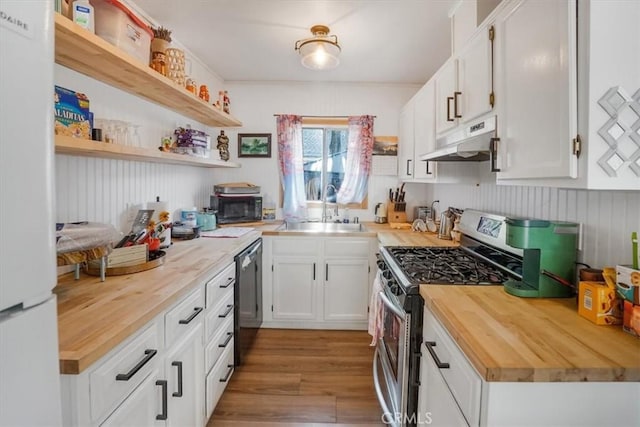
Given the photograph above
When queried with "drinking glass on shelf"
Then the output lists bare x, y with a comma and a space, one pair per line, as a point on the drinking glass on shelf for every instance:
121, 132
134, 135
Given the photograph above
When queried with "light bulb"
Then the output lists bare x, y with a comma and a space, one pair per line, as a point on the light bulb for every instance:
320, 56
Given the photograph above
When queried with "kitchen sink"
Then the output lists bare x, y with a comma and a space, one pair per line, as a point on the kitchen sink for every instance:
322, 227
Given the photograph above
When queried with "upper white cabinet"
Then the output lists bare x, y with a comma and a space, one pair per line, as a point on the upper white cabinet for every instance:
447, 97
424, 132
569, 94
536, 75
406, 141
464, 84
417, 136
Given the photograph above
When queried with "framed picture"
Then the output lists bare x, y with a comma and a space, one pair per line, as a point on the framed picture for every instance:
254, 145
385, 146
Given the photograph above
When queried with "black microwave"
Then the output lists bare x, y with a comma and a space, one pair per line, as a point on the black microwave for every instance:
237, 208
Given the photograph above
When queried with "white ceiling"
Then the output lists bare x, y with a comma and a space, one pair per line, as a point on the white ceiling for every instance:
397, 41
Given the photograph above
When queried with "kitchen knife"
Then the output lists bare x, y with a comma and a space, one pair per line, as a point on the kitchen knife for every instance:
391, 194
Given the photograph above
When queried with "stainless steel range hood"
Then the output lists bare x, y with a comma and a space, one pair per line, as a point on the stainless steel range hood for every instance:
470, 144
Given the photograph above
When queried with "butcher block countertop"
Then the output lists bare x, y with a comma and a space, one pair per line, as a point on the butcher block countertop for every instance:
508, 338
94, 317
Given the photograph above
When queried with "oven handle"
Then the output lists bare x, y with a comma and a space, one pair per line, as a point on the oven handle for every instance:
391, 306
376, 383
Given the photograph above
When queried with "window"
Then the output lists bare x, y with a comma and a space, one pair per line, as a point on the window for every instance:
324, 152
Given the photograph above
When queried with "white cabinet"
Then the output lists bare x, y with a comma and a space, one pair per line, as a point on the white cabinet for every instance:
463, 86
536, 75
406, 159
424, 132
219, 339
294, 288
447, 96
317, 283
184, 370
537, 71
450, 388
436, 404
452, 393
417, 136
142, 407
346, 289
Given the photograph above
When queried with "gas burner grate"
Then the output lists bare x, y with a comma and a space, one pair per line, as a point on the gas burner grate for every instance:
437, 265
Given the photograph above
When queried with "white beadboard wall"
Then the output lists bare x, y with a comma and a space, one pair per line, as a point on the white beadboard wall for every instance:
607, 217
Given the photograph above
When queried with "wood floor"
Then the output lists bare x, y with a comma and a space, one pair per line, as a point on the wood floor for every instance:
302, 378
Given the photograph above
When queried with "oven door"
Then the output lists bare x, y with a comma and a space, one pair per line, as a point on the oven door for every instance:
391, 362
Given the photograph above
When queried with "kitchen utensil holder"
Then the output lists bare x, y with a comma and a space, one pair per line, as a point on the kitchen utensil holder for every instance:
396, 212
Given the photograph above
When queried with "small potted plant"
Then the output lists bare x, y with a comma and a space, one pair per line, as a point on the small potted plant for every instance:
161, 40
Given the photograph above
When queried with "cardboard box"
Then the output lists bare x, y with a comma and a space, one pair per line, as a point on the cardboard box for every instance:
72, 117
599, 303
631, 320
628, 283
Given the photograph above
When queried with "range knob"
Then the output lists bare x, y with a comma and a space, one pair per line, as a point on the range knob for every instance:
394, 287
381, 265
387, 274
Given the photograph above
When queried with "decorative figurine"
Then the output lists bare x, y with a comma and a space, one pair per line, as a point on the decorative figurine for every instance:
223, 146
225, 102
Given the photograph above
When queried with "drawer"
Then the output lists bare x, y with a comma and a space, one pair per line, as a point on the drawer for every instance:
116, 377
217, 315
462, 379
340, 246
183, 316
222, 339
218, 379
297, 247
220, 284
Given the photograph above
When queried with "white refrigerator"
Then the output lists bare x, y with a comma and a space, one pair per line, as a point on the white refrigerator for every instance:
29, 373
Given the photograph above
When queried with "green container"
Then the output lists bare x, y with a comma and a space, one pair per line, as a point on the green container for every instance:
548, 246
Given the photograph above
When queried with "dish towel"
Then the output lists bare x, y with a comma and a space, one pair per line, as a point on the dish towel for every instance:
376, 311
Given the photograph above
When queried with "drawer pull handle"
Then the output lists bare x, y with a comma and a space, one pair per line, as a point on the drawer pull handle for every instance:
432, 352
179, 392
188, 320
148, 355
226, 285
226, 377
226, 342
163, 415
226, 313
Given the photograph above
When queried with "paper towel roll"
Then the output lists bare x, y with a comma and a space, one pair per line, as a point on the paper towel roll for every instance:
157, 208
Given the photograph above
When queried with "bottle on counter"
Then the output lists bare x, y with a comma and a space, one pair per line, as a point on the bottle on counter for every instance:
81, 12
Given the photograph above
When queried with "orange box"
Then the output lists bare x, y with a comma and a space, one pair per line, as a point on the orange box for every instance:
631, 321
599, 303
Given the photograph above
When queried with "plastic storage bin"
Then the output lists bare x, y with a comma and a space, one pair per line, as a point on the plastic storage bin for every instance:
122, 28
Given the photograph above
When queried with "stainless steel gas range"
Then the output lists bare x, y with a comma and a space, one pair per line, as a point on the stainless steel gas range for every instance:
482, 259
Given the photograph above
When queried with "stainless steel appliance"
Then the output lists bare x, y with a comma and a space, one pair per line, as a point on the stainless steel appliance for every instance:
247, 298
471, 143
233, 209
380, 213
483, 258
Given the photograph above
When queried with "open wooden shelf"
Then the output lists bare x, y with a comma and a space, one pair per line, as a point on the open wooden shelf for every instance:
88, 148
86, 53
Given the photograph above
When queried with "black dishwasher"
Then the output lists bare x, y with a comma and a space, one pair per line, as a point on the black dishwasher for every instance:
248, 298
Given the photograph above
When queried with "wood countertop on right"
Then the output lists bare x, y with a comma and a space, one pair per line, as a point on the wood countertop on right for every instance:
508, 338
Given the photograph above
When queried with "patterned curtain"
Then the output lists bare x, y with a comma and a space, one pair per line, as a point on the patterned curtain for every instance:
358, 166
291, 167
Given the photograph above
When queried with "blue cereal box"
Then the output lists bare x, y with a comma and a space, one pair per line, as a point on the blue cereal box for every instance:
72, 117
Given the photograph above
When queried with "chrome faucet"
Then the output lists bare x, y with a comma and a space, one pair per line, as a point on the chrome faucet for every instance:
324, 203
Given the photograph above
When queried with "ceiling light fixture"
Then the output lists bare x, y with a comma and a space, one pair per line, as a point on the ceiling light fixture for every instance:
321, 51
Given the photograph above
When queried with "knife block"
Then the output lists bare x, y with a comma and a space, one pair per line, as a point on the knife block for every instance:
396, 212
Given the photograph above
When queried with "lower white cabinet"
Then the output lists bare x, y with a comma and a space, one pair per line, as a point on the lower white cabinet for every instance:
317, 282
452, 393
157, 376
184, 371
141, 407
